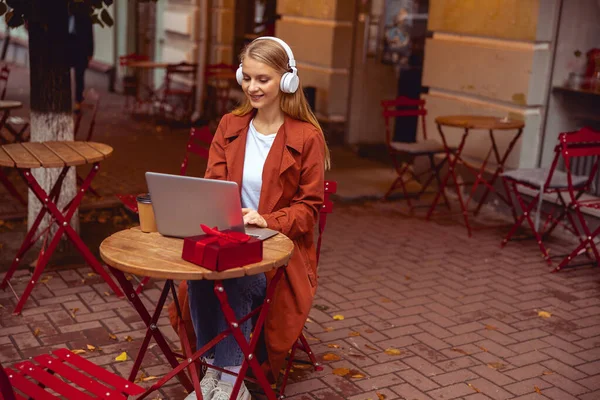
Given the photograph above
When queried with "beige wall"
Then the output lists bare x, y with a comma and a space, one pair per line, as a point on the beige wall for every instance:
320, 34
491, 57
222, 20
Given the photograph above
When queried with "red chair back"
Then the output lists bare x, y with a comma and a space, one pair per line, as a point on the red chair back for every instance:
199, 144
402, 107
4, 73
574, 146
326, 208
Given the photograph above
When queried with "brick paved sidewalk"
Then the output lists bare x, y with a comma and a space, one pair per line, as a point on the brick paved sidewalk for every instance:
458, 317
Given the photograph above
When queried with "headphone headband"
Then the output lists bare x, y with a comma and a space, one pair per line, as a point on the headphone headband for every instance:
288, 50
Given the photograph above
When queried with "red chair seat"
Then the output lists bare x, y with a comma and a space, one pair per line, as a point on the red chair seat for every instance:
60, 371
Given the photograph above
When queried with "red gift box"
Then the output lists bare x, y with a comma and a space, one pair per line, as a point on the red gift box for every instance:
222, 250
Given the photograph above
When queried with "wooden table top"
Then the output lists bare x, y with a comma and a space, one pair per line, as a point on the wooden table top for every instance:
147, 64
10, 105
55, 154
157, 256
479, 122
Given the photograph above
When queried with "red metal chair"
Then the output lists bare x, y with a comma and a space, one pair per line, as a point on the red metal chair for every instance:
302, 343
581, 145
131, 80
545, 182
60, 372
178, 97
17, 126
218, 78
404, 154
89, 106
198, 144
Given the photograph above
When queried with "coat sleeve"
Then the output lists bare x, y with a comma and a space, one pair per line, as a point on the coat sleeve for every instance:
300, 217
217, 163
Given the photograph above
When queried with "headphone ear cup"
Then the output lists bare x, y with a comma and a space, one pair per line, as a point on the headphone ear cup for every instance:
289, 82
239, 75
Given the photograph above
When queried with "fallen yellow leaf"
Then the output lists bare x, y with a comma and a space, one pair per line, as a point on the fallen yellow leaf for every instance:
547, 372
106, 294
78, 351
461, 351
357, 376
112, 336
333, 346
309, 320
46, 278
328, 329
331, 357
149, 378
37, 332
338, 317
91, 274
354, 334
302, 366
537, 389
474, 388
341, 371
121, 357
370, 347
544, 314
496, 365
483, 348
128, 338
393, 352
491, 328
380, 396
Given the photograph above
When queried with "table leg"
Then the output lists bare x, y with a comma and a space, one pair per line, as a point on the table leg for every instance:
152, 328
499, 169
247, 348
452, 173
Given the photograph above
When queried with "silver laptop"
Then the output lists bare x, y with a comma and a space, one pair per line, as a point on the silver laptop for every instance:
182, 203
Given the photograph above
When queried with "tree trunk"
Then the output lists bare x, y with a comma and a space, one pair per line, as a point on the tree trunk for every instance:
50, 82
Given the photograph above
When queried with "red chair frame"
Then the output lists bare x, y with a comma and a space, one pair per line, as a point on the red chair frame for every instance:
131, 82
406, 107
91, 103
552, 221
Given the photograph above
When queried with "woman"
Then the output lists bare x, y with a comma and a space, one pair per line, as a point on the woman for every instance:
274, 148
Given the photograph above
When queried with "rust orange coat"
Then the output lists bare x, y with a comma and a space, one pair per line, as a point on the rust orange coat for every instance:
291, 196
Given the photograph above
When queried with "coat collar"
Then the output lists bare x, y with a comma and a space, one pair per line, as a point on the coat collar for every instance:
239, 124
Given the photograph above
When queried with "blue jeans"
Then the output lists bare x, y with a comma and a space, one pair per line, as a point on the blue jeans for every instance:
244, 294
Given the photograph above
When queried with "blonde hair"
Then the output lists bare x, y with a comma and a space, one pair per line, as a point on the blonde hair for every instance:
294, 104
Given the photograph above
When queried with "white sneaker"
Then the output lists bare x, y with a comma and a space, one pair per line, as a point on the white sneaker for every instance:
224, 389
207, 385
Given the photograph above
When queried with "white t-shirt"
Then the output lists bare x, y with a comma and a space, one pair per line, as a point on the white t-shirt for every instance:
257, 149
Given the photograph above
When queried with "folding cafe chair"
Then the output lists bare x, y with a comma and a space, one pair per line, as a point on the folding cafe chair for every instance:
16, 126
549, 182
198, 144
178, 96
89, 107
403, 154
576, 146
131, 80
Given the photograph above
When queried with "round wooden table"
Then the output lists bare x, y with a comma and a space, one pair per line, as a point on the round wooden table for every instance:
151, 254
10, 105
53, 154
468, 123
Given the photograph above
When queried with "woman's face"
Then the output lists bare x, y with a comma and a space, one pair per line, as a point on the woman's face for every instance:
260, 84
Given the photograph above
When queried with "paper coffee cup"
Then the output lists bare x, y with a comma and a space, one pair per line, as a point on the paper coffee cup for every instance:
146, 213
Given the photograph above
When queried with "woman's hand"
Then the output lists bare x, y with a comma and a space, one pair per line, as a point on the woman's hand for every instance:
252, 217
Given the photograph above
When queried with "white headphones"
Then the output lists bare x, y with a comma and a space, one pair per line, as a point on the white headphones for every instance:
289, 80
